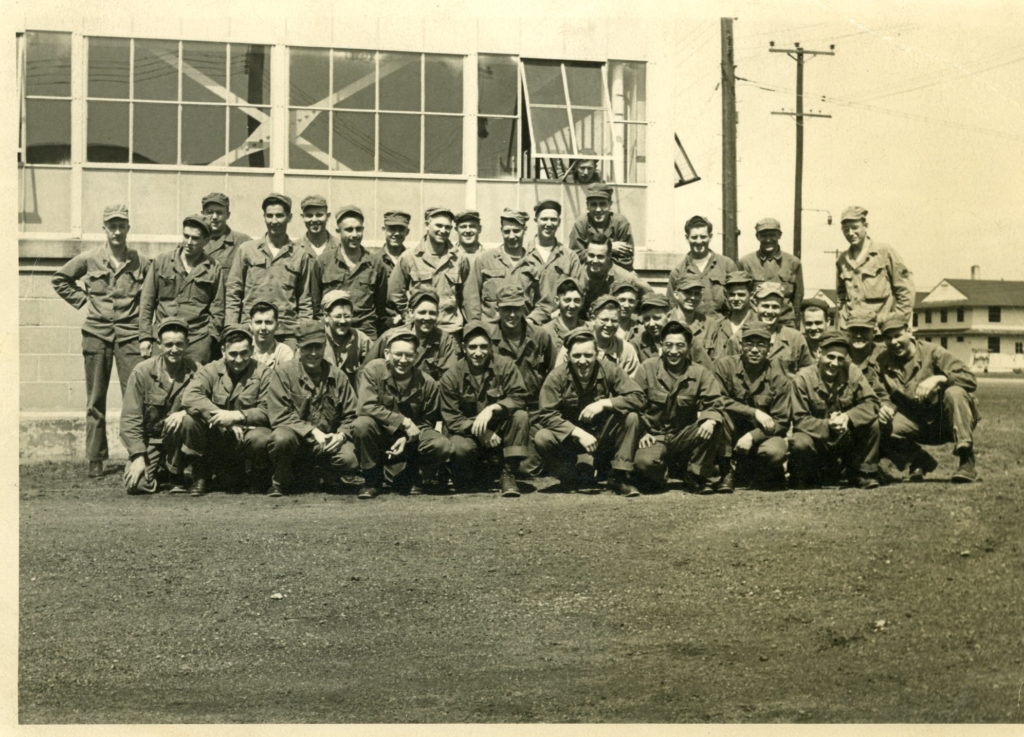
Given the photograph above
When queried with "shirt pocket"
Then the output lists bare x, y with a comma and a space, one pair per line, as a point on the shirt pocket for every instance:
203, 289
167, 288
876, 281
98, 283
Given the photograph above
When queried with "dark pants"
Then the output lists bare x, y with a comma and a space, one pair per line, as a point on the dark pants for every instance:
223, 453
164, 457
100, 356
617, 437
679, 451
855, 451
427, 452
951, 420
766, 459
287, 447
467, 452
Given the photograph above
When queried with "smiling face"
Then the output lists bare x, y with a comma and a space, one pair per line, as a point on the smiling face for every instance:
598, 259
769, 240
173, 344
654, 319
339, 319
599, 210
310, 356
439, 230
394, 235
582, 355
737, 296
699, 239
315, 219
469, 233
276, 217
350, 231
769, 308
755, 350
478, 350
263, 325
814, 322
628, 299
424, 316
237, 355
689, 299
401, 357
569, 304
511, 316
899, 341
854, 231
860, 337
548, 221
606, 322
675, 349
832, 361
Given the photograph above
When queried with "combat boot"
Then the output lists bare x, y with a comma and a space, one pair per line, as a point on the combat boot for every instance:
966, 473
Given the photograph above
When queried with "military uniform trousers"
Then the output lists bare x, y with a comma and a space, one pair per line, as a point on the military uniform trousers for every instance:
164, 458
951, 420
617, 437
427, 452
680, 451
287, 447
767, 456
467, 450
223, 453
100, 356
856, 450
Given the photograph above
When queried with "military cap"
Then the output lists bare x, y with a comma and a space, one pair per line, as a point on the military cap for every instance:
313, 200
547, 205
860, 320
622, 286
689, 281
432, 212
674, 326
567, 284
697, 221
577, 335
276, 198
833, 337
767, 224
475, 326
217, 198
598, 191
262, 306
234, 331
853, 212
346, 210
114, 212
815, 302
310, 332
769, 288
653, 300
516, 216
893, 322
511, 295
399, 332
739, 276
602, 302
421, 295
463, 215
335, 295
756, 328
171, 323
198, 221
397, 217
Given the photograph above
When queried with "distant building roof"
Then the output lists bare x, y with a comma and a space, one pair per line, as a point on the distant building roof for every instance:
975, 292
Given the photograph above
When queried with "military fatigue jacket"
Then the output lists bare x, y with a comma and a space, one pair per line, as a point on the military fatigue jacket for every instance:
713, 278
196, 296
366, 282
112, 293
464, 396
534, 356
646, 346
900, 379
789, 348
720, 340
152, 394
492, 270
700, 326
557, 329
422, 269
564, 394
386, 259
813, 400
879, 284
617, 228
307, 245
562, 263
213, 388
350, 354
780, 267
769, 392
594, 287
385, 400
286, 280
221, 248
296, 401
675, 401
437, 352
868, 365
620, 352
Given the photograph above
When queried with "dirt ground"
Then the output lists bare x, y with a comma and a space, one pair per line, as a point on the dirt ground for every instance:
900, 604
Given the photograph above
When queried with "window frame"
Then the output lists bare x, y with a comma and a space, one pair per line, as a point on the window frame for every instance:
993, 340
995, 313
22, 54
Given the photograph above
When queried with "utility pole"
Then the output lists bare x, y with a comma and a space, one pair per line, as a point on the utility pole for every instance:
797, 53
728, 142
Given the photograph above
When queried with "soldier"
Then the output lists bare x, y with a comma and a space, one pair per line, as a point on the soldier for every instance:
653, 317
757, 395
152, 415
312, 408
704, 264
347, 265
604, 320
483, 405
689, 296
188, 284
434, 264
600, 273
396, 228
601, 220
788, 346
929, 399
497, 267
588, 419
723, 336
770, 263
870, 274
683, 422
569, 298
227, 430
815, 317
347, 347
860, 329
436, 351
109, 279
835, 420
223, 240
273, 269
399, 405
315, 216
468, 228
266, 349
554, 261
584, 170
627, 296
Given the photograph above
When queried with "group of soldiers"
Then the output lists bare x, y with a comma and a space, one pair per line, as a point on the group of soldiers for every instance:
277, 365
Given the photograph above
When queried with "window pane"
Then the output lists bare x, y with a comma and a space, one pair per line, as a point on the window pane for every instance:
585, 86
202, 133
442, 144
249, 67
241, 125
309, 76
592, 131
107, 132
48, 64
443, 93
354, 78
544, 82
550, 131
634, 142
109, 67
155, 129
207, 59
627, 85
307, 147
498, 83
497, 147
48, 131
400, 82
156, 70
400, 143
354, 140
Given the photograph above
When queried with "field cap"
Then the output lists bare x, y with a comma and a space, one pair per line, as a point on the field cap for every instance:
262, 306
234, 332
833, 337
399, 332
653, 300
311, 332
432, 212
624, 286
598, 191
819, 303
198, 221
423, 295
547, 205
115, 212
767, 224
739, 276
313, 200
463, 215
567, 284
347, 210
603, 302
756, 329
674, 326
276, 198
768, 288
171, 323
516, 216
397, 217
475, 326
217, 198
335, 295
853, 212
689, 281
697, 221
511, 295
894, 322
577, 335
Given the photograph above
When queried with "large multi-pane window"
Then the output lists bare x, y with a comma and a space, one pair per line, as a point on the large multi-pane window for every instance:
375, 111
46, 71
177, 102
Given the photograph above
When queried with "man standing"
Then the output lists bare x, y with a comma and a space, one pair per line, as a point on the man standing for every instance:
723, 336
569, 299
814, 320
601, 220
701, 262
346, 265
312, 408
396, 228
468, 228
346, 346
769, 263
788, 346
273, 269
483, 405
497, 267
187, 284
109, 280
223, 240
870, 275
266, 349
436, 350
315, 216
554, 261
227, 430
689, 297
152, 415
